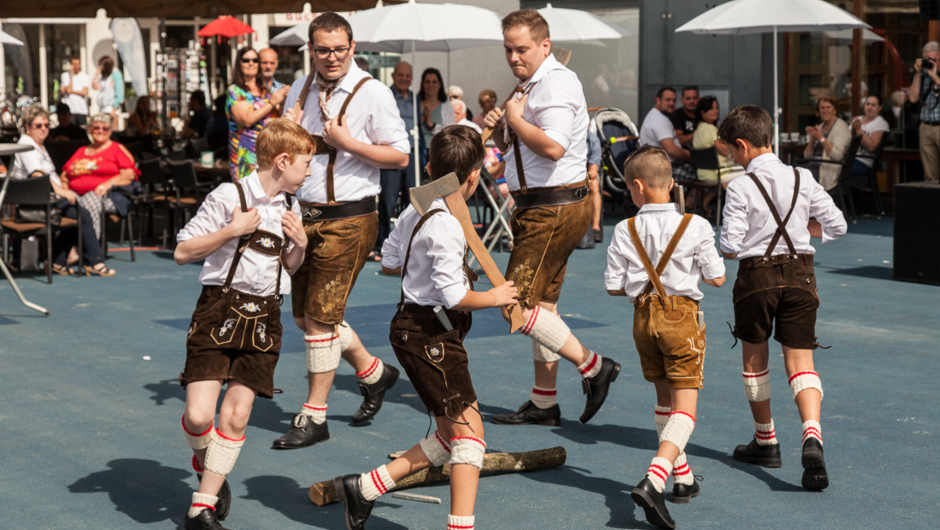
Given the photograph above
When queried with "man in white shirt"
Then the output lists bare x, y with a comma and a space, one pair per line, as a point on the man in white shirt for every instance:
460, 115
74, 89
546, 125
355, 123
767, 227
658, 130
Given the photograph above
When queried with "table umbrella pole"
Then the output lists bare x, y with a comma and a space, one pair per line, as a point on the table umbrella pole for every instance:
414, 113
776, 105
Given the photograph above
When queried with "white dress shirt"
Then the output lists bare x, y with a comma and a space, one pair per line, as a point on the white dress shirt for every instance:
694, 258
435, 274
656, 128
257, 272
748, 224
556, 105
28, 162
76, 102
372, 117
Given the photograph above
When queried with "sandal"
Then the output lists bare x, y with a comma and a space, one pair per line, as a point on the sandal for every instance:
63, 270
73, 257
103, 270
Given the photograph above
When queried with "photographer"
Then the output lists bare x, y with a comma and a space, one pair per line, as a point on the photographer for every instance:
926, 88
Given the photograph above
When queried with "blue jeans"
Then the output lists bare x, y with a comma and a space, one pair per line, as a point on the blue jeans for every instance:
393, 182
860, 168
68, 238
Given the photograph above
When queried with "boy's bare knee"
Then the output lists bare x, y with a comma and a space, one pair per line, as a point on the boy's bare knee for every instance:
199, 419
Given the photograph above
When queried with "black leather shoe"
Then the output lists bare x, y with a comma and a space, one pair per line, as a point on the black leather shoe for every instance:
761, 455
529, 414
599, 235
683, 493
303, 433
374, 394
357, 508
596, 388
224, 503
653, 503
815, 477
206, 520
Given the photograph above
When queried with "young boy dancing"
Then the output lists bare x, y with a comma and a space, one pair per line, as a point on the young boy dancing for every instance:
245, 231
767, 228
429, 252
669, 335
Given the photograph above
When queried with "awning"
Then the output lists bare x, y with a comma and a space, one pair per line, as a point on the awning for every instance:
175, 8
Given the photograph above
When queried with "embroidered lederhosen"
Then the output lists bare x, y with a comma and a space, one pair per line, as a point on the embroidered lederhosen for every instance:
331, 210
434, 358
779, 288
235, 335
665, 327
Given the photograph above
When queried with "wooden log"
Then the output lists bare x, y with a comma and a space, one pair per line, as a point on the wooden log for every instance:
323, 493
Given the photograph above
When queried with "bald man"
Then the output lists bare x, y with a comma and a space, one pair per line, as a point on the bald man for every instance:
269, 68
395, 181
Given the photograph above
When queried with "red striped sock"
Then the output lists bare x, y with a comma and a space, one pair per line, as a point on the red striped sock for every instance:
658, 472
317, 413
202, 501
373, 372
591, 366
544, 398
456, 522
765, 434
811, 429
376, 483
681, 472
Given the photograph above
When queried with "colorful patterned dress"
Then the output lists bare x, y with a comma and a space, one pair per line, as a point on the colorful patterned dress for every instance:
241, 140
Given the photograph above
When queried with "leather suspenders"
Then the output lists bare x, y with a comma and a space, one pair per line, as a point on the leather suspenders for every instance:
654, 274
515, 142
265, 242
781, 224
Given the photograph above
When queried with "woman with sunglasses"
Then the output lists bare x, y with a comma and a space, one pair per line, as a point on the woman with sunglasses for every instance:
250, 107
38, 163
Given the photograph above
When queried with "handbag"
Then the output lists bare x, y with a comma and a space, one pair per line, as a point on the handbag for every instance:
37, 214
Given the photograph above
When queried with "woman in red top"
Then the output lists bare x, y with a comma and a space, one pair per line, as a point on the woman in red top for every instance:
96, 169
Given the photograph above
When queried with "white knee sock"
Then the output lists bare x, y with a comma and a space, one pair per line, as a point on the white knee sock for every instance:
757, 385
373, 372
544, 398
345, 332
323, 352
375, 484
435, 449
547, 328
317, 413
658, 472
661, 417
591, 367
455, 522
467, 450
222, 453
765, 434
201, 501
195, 440
801, 381
542, 354
812, 429
681, 472
678, 429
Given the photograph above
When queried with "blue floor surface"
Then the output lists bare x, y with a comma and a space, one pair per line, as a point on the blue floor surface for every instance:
90, 410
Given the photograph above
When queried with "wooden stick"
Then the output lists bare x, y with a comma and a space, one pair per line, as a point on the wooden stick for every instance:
323, 493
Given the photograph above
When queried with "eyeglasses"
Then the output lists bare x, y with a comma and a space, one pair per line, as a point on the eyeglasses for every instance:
455, 97
338, 53
102, 128
40, 125
248, 60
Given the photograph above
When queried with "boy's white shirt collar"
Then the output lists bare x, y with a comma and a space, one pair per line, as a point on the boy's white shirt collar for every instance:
649, 207
761, 160
253, 183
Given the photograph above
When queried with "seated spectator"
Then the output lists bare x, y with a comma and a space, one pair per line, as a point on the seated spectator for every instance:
199, 115
218, 123
872, 127
454, 93
142, 120
97, 169
828, 141
658, 130
66, 130
685, 118
487, 101
706, 136
460, 115
38, 163
434, 108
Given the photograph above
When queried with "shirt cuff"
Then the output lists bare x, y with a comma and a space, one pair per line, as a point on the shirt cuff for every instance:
713, 270
614, 284
561, 139
453, 294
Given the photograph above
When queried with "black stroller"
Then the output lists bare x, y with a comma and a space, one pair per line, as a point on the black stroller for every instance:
619, 137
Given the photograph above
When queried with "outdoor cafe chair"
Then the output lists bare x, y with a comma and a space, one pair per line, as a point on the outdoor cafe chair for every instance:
707, 159
842, 185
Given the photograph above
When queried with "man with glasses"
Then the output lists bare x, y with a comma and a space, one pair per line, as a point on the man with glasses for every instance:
925, 88
269, 68
358, 132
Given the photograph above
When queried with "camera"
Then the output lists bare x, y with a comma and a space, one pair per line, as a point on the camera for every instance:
927, 63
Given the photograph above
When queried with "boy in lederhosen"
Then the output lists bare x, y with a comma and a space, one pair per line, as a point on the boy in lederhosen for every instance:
768, 223
667, 327
430, 253
251, 237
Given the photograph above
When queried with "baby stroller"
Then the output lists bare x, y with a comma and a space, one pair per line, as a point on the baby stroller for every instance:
619, 137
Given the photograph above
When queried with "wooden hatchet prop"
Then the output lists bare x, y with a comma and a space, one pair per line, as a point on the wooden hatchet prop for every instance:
448, 187
561, 55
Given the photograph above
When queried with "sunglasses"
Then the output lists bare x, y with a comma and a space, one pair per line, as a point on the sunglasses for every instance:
100, 129
246, 60
40, 125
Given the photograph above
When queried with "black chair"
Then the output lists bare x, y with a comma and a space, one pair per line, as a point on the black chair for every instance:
125, 222
707, 159
875, 158
184, 197
841, 189
217, 140
37, 191
153, 182
61, 152
196, 146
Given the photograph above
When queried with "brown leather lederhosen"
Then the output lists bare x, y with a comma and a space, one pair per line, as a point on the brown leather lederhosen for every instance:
669, 341
434, 358
526, 197
235, 335
761, 289
332, 209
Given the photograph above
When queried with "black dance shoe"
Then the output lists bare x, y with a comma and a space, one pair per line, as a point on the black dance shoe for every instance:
303, 433
374, 394
599, 235
815, 477
653, 503
357, 508
596, 388
529, 414
206, 520
683, 493
224, 503
761, 455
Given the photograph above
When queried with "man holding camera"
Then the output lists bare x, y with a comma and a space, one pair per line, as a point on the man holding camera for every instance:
926, 87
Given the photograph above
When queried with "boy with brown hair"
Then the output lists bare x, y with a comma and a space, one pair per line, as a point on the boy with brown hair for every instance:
768, 223
429, 252
667, 325
245, 231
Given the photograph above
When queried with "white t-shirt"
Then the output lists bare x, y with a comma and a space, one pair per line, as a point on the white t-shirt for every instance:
877, 124
77, 103
28, 162
656, 127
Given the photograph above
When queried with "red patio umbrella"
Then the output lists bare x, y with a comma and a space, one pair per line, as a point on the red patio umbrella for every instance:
225, 26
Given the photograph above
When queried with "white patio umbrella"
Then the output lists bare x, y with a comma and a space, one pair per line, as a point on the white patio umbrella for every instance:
576, 25
6, 38
868, 36
746, 17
